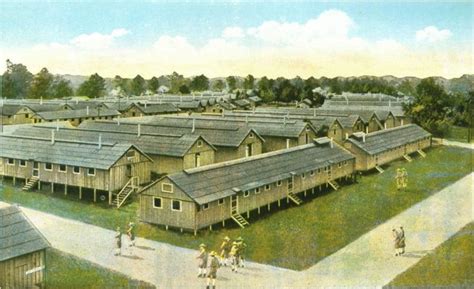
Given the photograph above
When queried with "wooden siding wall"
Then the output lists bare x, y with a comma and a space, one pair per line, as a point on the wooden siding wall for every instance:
12, 272
373, 124
206, 152
140, 167
168, 164
302, 137
336, 132
231, 153
277, 143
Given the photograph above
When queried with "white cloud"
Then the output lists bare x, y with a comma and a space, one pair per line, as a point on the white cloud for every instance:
97, 40
233, 32
432, 34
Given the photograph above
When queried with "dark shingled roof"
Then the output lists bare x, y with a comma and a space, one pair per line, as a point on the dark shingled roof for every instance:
67, 152
213, 182
18, 236
9, 109
79, 113
382, 140
157, 108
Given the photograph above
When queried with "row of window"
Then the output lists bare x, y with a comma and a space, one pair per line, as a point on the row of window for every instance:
175, 204
49, 167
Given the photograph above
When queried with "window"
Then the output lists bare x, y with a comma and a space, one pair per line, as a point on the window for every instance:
246, 194
319, 170
197, 160
311, 173
11, 161
251, 135
130, 154
157, 203
334, 131
22, 163
339, 165
257, 190
27, 115
306, 138
278, 183
48, 166
199, 143
62, 168
91, 172
267, 187
76, 170
176, 205
303, 175
220, 202
167, 188
205, 206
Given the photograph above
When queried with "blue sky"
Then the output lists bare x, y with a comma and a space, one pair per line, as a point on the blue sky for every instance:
26, 24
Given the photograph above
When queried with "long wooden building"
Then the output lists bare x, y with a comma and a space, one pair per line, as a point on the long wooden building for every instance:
22, 251
200, 197
375, 149
116, 169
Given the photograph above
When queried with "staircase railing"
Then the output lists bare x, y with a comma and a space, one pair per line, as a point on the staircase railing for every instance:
122, 196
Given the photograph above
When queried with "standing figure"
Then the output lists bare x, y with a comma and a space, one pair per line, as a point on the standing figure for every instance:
398, 179
242, 246
396, 242
225, 250
131, 233
202, 264
404, 178
401, 242
234, 256
213, 267
118, 242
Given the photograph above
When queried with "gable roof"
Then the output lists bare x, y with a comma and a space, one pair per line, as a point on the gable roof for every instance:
209, 183
382, 140
67, 152
77, 113
18, 236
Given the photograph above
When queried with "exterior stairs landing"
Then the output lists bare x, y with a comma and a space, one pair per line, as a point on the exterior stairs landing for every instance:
31, 182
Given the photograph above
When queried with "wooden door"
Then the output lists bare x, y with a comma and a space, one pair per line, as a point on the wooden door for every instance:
35, 172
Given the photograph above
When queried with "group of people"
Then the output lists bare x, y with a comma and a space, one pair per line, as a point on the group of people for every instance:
401, 178
118, 238
399, 241
232, 253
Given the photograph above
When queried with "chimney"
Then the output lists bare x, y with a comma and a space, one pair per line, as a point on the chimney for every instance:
57, 124
194, 126
146, 102
118, 120
314, 112
385, 125
367, 129
363, 137
52, 137
139, 130
87, 110
331, 143
100, 140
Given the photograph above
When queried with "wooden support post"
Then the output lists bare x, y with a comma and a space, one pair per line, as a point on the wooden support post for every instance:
195, 232
279, 203
110, 197
305, 192
181, 230
248, 214
223, 223
287, 200
65, 190
166, 227
52, 187
320, 188
95, 195
258, 210
26, 181
268, 207
39, 185
14, 180
210, 228
312, 191
80, 193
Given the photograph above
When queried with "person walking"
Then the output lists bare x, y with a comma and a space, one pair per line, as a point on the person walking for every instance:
398, 179
118, 242
213, 267
202, 264
396, 242
241, 252
234, 255
225, 250
404, 177
131, 233
401, 241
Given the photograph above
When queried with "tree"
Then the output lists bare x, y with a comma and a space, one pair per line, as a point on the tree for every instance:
41, 84
218, 85
153, 84
93, 87
60, 88
16, 80
231, 83
122, 85
184, 89
176, 81
138, 85
265, 91
199, 83
249, 82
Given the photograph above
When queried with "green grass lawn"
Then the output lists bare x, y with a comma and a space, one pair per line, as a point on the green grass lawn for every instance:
458, 133
65, 271
451, 265
292, 237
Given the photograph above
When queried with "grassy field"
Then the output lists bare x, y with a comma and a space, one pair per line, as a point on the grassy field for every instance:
292, 237
65, 271
458, 133
449, 266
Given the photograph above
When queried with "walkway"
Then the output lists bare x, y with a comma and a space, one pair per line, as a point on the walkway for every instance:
367, 262
455, 143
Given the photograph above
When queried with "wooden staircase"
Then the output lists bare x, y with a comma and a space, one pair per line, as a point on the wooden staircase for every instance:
408, 158
31, 182
378, 168
235, 215
333, 184
295, 198
130, 187
422, 153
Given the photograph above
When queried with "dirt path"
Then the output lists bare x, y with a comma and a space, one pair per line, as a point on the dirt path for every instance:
367, 262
